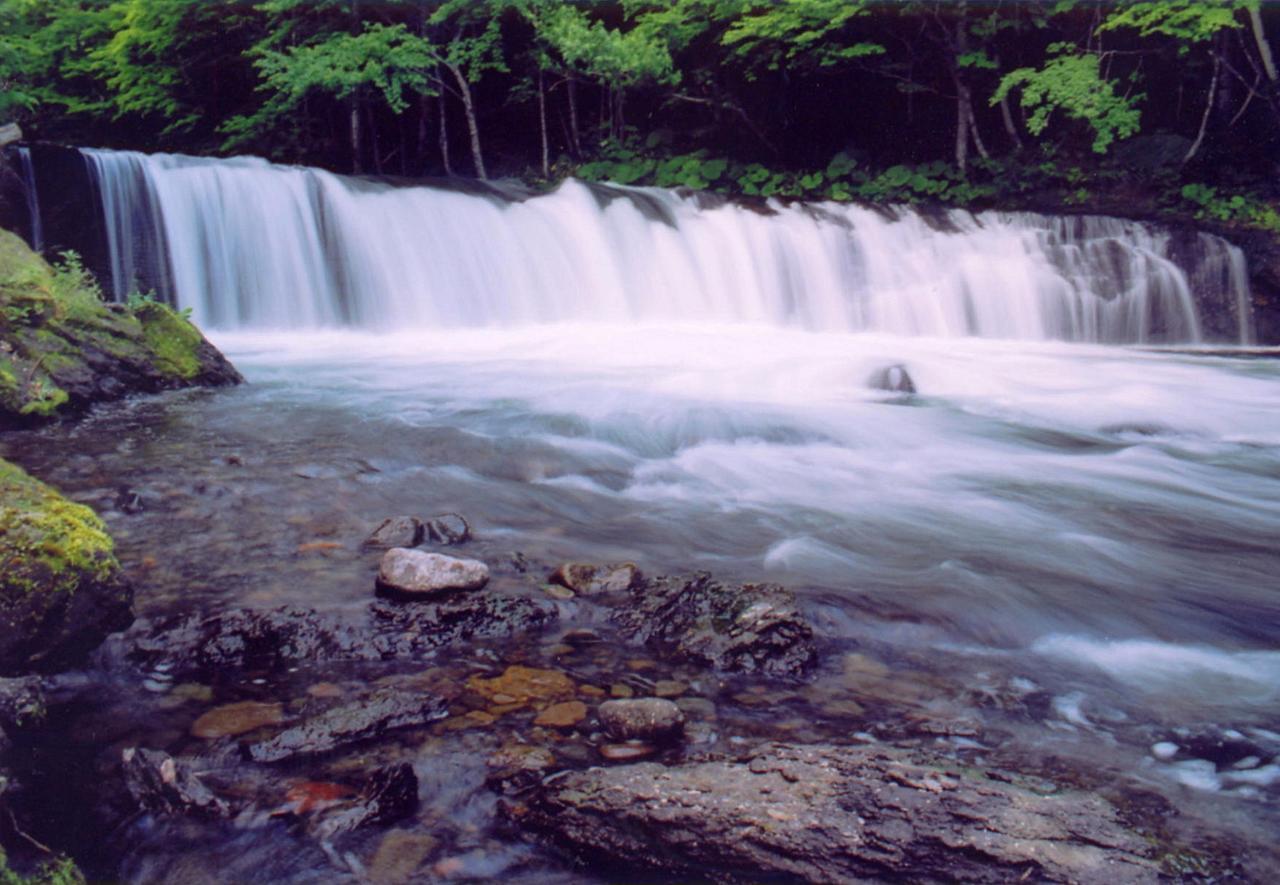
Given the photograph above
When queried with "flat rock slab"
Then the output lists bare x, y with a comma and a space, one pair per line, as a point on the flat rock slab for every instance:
366, 719
751, 628
415, 573
824, 813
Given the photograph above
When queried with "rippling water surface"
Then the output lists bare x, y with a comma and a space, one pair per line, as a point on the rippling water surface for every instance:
1099, 521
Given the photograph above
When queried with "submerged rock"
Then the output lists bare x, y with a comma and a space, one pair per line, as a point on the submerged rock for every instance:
396, 531
749, 628
587, 579
645, 719
413, 573
242, 717
448, 529
893, 379
61, 589
390, 795
833, 814
164, 785
62, 349
365, 719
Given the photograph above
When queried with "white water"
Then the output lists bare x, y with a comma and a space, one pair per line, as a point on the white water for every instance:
32, 197
251, 245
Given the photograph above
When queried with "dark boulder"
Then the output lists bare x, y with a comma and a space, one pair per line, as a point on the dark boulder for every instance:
751, 628
395, 531
448, 529
163, 785
893, 379
833, 814
389, 795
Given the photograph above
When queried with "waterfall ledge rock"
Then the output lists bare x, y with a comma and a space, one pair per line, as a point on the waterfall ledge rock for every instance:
415, 573
62, 349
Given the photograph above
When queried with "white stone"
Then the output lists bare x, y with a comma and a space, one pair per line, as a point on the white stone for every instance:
1164, 750
416, 572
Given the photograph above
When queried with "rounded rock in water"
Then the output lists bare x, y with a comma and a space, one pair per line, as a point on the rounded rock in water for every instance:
413, 573
892, 378
645, 719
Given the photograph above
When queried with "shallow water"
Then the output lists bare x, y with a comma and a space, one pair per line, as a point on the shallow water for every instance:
1099, 522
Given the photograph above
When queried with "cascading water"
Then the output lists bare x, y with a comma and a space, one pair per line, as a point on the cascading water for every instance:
32, 196
254, 245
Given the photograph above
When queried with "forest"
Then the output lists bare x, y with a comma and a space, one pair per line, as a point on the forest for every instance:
1158, 107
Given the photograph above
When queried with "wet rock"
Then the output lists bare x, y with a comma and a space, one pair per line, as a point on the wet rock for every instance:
22, 702
275, 638
752, 628
448, 529
239, 718
414, 573
669, 688
587, 579
833, 814
562, 715
395, 531
61, 588
647, 719
390, 795
892, 378
163, 785
398, 857
369, 718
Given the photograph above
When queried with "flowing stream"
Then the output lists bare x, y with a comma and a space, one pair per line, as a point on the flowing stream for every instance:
609, 373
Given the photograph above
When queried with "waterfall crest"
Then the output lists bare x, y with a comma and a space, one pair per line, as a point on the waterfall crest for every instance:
248, 244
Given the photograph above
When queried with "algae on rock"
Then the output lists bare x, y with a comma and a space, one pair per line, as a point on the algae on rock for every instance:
62, 348
61, 587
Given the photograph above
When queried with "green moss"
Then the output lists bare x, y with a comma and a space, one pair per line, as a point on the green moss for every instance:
60, 871
171, 338
47, 543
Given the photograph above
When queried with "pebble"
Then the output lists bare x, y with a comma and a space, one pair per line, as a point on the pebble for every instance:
1164, 750
586, 579
669, 688
396, 531
627, 752
646, 719
621, 690
555, 591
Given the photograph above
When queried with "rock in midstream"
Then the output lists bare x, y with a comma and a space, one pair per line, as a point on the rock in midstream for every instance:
370, 717
390, 795
164, 785
644, 719
824, 813
395, 531
586, 579
415, 573
751, 628
280, 637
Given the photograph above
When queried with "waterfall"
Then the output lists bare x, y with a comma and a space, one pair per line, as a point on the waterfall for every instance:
32, 196
248, 244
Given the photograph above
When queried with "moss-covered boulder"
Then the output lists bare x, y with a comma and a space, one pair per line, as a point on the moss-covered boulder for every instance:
62, 348
61, 588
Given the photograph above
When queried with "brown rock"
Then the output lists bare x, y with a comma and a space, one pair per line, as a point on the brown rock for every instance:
519, 685
239, 718
647, 719
398, 857
588, 579
563, 715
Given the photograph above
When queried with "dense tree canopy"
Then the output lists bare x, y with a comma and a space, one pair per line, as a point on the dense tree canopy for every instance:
926, 99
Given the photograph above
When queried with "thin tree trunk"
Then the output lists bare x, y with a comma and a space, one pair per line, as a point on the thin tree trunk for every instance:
1208, 111
473, 129
355, 135
973, 123
373, 136
962, 133
444, 132
1264, 49
572, 87
542, 124
420, 154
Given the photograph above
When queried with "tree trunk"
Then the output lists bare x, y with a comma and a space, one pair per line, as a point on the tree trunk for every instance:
373, 137
473, 130
1264, 49
572, 87
420, 153
973, 123
1208, 111
444, 132
542, 125
962, 134
355, 135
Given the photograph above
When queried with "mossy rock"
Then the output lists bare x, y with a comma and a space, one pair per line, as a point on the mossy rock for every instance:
62, 348
61, 588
